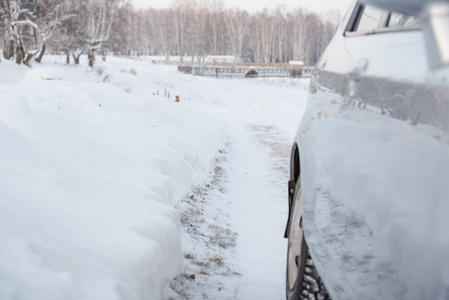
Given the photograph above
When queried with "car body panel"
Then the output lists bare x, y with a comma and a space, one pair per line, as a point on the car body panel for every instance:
374, 151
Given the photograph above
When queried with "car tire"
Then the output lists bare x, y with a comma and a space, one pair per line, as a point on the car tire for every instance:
302, 279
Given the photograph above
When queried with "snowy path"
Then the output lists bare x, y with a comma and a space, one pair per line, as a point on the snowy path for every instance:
257, 195
246, 201
233, 226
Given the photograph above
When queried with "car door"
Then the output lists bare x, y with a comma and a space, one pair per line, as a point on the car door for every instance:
374, 147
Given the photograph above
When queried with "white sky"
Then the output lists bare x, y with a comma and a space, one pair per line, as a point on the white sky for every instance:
256, 5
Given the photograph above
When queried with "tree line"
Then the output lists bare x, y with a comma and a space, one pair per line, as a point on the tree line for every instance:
188, 28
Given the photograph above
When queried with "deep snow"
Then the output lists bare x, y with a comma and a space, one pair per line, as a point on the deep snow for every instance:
95, 164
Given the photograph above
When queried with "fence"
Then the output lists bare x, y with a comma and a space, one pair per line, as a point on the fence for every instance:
238, 70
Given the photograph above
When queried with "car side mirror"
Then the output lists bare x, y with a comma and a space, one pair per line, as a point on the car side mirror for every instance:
436, 33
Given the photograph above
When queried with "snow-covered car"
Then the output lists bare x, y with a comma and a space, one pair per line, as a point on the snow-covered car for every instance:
369, 180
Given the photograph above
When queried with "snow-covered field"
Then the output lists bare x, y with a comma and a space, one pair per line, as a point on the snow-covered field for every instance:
95, 165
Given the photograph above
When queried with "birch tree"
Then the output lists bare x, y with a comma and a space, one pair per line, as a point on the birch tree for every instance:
216, 22
39, 18
236, 26
14, 18
180, 24
199, 19
100, 15
50, 15
165, 31
188, 27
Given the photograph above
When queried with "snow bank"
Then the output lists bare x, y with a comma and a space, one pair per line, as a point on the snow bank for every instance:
89, 178
36, 75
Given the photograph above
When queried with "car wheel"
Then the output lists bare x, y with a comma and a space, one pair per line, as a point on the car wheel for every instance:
303, 281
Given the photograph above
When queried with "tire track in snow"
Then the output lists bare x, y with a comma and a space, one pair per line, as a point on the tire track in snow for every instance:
233, 226
207, 239
258, 191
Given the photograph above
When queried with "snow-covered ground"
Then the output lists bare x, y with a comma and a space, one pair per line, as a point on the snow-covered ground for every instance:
109, 190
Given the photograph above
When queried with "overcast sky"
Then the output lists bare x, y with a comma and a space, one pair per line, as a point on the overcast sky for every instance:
256, 5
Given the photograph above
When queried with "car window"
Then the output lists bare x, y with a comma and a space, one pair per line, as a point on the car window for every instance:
399, 20
369, 19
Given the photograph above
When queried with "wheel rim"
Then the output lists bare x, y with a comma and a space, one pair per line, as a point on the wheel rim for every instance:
295, 241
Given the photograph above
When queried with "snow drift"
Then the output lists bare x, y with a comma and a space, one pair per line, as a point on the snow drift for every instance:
89, 178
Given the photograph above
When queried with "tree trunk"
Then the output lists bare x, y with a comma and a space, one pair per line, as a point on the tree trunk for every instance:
76, 59
76, 55
103, 55
8, 49
41, 53
29, 59
20, 55
67, 57
91, 57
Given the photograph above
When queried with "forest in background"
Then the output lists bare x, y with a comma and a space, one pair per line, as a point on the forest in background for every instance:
193, 28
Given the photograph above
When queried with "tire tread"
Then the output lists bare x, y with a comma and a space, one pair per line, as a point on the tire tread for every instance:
312, 285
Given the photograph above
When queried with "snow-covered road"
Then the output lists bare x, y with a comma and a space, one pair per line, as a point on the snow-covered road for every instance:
246, 201
251, 198
113, 169
257, 193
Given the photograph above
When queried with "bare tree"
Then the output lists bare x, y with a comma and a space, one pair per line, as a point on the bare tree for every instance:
236, 25
38, 18
189, 27
198, 17
166, 33
297, 25
263, 33
216, 18
14, 18
180, 24
8, 42
100, 15
50, 15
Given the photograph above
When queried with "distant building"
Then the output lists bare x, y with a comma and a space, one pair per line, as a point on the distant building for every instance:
296, 68
221, 58
296, 64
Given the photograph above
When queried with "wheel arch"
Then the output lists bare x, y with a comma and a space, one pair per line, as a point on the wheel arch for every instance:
295, 172
295, 164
